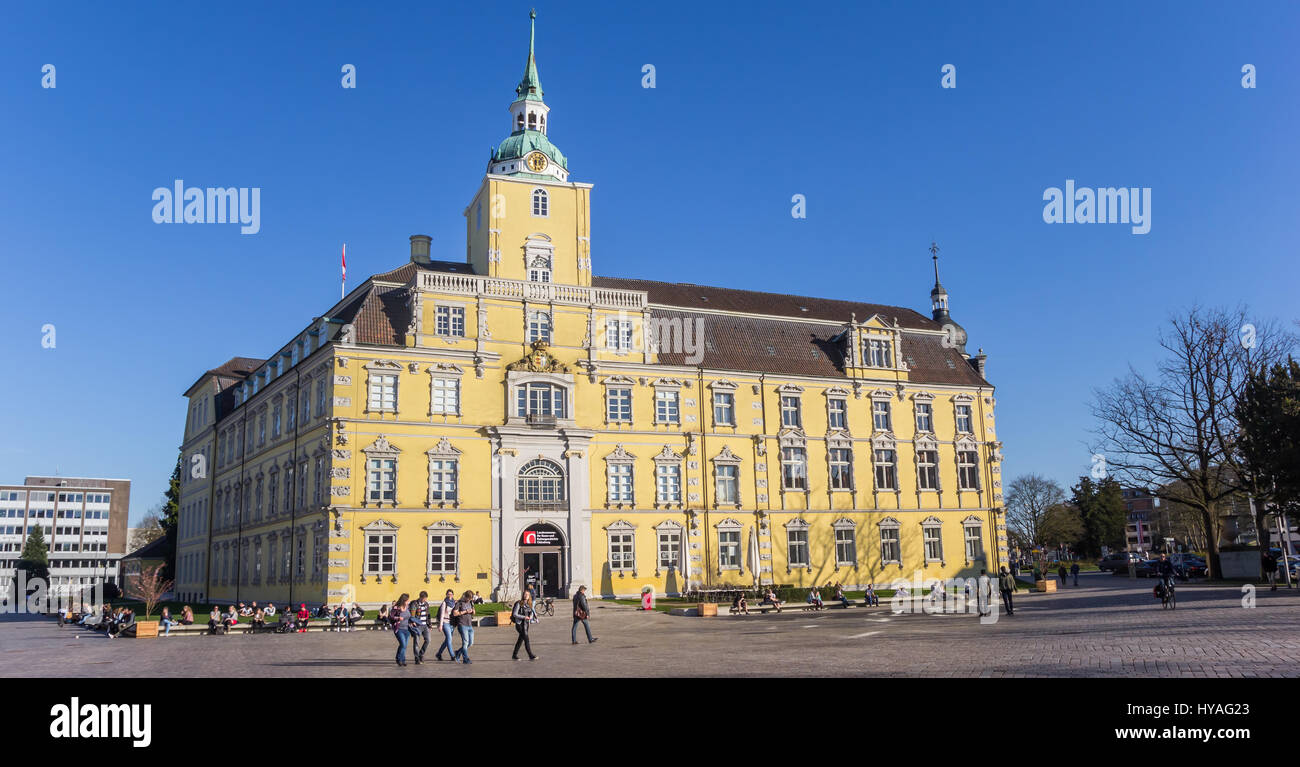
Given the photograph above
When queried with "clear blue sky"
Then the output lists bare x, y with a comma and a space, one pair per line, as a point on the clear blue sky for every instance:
755, 102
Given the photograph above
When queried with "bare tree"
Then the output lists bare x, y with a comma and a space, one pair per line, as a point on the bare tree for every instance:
1029, 499
149, 530
507, 578
1174, 434
149, 587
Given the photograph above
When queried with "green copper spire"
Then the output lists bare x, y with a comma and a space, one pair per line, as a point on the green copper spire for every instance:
530, 87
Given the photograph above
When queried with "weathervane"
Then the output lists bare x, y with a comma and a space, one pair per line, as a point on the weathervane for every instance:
934, 253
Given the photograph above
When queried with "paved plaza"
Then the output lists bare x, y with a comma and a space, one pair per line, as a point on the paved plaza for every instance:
1108, 626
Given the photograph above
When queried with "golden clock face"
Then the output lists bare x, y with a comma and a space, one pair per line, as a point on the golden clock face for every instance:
536, 162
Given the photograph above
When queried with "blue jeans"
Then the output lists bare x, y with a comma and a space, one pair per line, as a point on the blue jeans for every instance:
403, 636
447, 628
466, 642
167, 624
573, 635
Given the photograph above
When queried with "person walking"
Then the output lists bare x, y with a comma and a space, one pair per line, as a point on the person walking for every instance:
580, 615
1060, 570
1269, 563
445, 625
984, 593
463, 615
1074, 570
400, 617
521, 615
1007, 585
420, 626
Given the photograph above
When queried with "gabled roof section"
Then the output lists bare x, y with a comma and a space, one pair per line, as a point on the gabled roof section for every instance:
232, 371
406, 272
688, 296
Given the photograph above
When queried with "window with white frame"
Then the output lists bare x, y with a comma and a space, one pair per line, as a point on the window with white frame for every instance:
320, 397
885, 476
444, 544
837, 413
275, 422
890, 543
727, 485
794, 468
878, 353
846, 545
791, 415
540, 399
668, 482
618, 404
669, 546
304, 401
622, 547
796, 534
291, 412
964, 425
444, 396
724, 409
841, 467
381, 553
381, 479
302, 484
540, 203
729, 546
618, 335
318, 481
927, 469
539, 327
620, 482
933, 539
967, 470
541, 484
261, 428
288, 487
667, 407
442, 480
924, 417
973, 533
539, 266
383, 392
880, 418
301, 561
449, 321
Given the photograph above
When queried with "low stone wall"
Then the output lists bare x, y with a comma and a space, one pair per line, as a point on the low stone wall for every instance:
1240, 564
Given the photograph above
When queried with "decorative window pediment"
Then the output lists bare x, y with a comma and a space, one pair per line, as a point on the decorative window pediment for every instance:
964, 399
888, 522
882, 394
789, 389
621, 455
966, 442
883, 442
675, 383
839, 439
378, 526
723, 385
619, 380
932, 521
383, 365
667, 455
726, 456
669, 525
381, 446
444, 449
443, 369
844, 523
620, 526
798, 523
923, 396
729, 525
442, 526
971, 521
837, 392
792, 438
926, 442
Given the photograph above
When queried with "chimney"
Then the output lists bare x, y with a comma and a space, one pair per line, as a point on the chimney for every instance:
978, 362
420, 248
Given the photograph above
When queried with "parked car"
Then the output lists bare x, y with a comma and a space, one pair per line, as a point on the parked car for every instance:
1117, 561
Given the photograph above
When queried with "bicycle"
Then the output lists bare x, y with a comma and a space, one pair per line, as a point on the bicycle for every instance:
544, 606
1168, 599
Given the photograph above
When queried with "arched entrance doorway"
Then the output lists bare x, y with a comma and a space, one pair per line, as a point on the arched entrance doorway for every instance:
541, 560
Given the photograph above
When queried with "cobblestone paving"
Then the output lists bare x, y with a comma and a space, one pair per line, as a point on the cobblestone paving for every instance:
1107, 627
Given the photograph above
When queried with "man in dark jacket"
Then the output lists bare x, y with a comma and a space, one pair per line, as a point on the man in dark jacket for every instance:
419, 626
581, 613
1007, 585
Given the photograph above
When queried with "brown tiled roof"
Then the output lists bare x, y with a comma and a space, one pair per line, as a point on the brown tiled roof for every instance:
688, 296
236, 367
791, 347
379, 316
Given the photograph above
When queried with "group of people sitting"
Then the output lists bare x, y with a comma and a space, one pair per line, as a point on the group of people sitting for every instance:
112, 622
740, 605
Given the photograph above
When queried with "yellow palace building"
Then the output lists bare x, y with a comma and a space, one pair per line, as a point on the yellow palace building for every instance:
516, 419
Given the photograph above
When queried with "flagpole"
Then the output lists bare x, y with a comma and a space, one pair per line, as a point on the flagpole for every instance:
343, 286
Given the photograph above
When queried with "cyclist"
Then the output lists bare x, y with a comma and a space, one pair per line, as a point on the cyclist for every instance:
1165, 569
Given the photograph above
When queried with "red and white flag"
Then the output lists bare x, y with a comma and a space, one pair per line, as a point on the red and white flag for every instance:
343, 287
